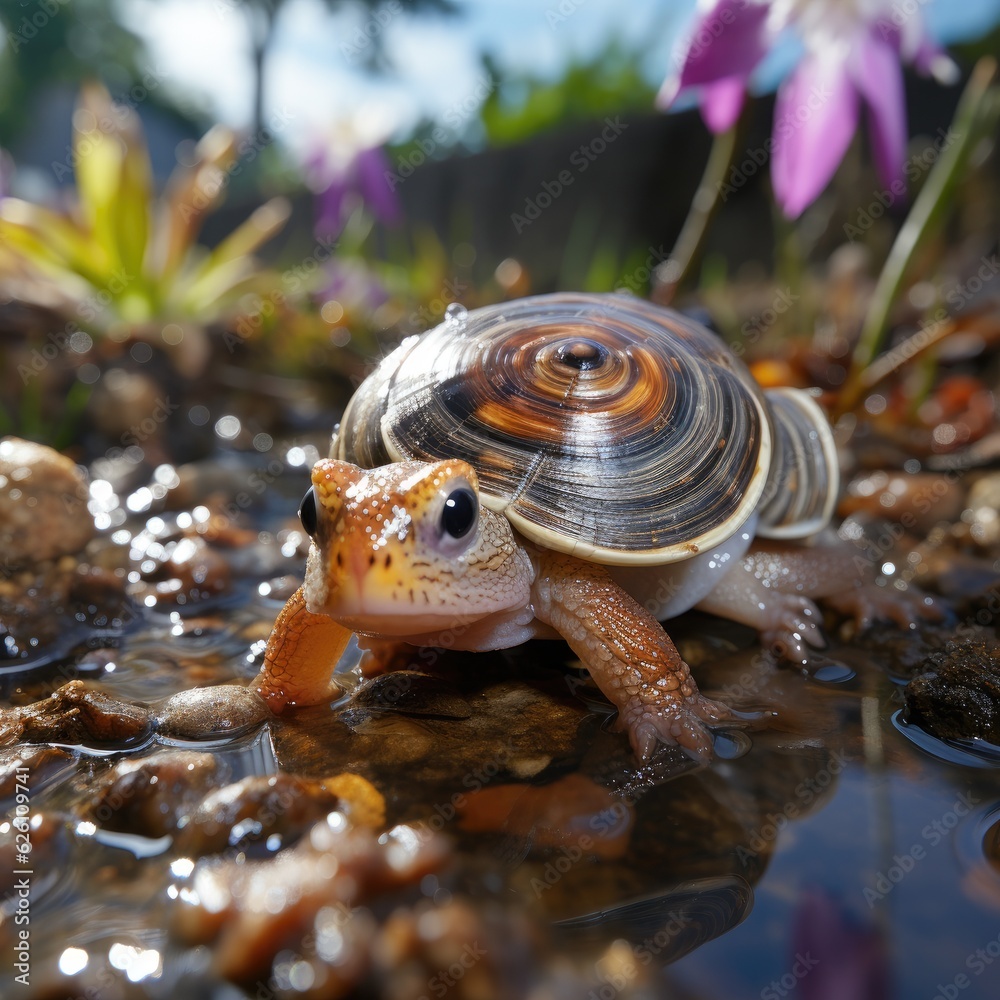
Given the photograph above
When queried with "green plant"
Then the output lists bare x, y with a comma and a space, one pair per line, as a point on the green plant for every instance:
123, 256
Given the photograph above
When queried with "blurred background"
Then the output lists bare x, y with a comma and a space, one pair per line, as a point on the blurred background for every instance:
216, 216
288, 188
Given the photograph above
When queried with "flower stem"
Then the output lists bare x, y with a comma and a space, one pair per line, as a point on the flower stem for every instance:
675, 269
973, 118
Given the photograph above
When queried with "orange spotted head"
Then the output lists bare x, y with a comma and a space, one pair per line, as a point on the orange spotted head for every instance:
403, 549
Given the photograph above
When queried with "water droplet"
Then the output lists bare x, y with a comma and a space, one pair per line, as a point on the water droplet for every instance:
228, 427
455, 316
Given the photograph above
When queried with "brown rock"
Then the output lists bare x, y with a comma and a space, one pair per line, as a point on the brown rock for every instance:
75, 714
189, 571
259, 812
302, 898
960, 697
149, 796
43, 504
211, 712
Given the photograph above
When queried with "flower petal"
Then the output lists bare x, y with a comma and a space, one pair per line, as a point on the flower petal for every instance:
722, 102
330, 208
374, 173
932, 60
727, 40
815, 117
876, 70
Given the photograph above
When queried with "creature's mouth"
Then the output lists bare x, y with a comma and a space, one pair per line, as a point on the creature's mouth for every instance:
398, 624
366, 599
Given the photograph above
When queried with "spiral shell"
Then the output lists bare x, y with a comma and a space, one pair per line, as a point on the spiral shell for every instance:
600, 425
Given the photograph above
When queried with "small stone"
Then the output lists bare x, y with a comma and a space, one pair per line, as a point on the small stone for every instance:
190, 571
209, 713
43, 504
259, 815
151, 795
75, 714
984, 502
960, 697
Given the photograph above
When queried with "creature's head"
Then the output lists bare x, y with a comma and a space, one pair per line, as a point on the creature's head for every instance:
407, 549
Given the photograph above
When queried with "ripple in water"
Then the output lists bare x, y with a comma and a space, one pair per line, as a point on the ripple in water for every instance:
967, 753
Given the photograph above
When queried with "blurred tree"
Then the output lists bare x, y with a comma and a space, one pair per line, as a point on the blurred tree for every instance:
610, 81
55, 41
262, 16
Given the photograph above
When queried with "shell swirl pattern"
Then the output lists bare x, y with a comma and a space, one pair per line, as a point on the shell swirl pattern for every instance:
600, 424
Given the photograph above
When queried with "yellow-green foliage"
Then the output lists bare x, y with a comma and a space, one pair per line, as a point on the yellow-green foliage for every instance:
122, 255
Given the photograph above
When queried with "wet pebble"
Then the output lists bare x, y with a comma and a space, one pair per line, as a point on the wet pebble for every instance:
184, 571
304, 900
43, 504
960, 697
211, 713
78, 715
259, 815
916, 500
984, 510
419, 944
150, 796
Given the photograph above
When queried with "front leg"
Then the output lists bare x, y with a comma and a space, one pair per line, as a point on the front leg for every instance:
630, 657
299, 658
774, 586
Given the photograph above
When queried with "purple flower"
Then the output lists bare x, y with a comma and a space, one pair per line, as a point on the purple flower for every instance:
836, 956
342, 179
854, 50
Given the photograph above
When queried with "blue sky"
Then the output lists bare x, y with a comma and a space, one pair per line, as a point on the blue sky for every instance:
202, 50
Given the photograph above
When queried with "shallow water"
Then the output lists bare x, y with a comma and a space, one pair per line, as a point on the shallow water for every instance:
825, 854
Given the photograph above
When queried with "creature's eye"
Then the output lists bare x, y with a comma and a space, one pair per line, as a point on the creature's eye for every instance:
460, 511
307, 512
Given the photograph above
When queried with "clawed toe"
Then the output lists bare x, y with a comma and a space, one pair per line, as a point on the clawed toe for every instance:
798, 630
674, 725
870, 602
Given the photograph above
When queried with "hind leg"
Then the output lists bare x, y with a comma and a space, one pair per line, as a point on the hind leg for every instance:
773, 589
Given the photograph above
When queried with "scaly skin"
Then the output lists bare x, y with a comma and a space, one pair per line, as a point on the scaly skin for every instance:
381, 566
774, 586
630, 657
300, 655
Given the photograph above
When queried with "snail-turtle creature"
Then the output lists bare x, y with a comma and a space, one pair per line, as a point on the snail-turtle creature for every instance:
569, 465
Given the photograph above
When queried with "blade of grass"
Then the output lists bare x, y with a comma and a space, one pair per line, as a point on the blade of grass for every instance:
676, 268
41, 235
230, 262
98, 154
133, 205
974, 119
192, 192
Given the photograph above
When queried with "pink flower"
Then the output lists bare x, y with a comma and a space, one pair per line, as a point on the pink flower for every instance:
854, 50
